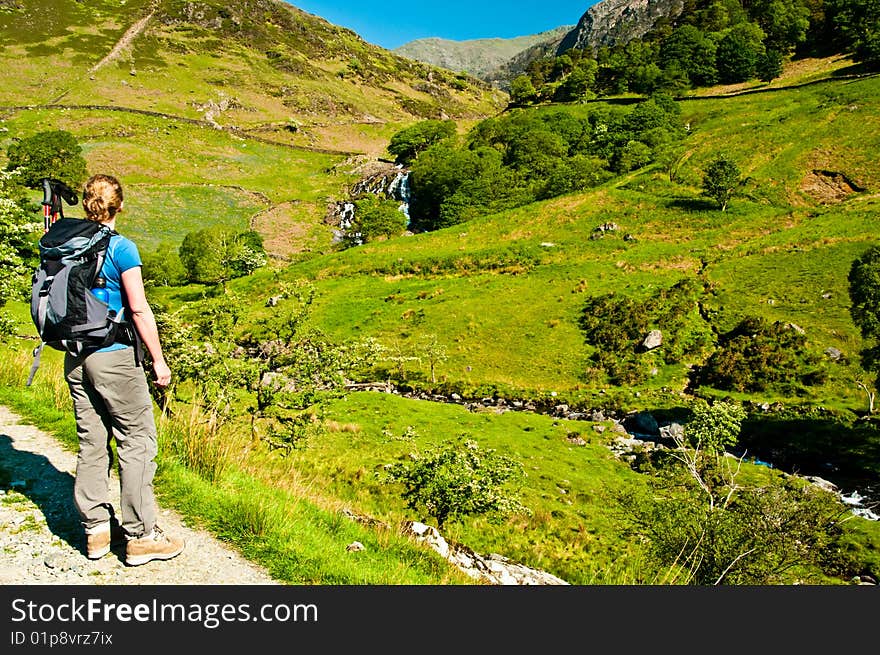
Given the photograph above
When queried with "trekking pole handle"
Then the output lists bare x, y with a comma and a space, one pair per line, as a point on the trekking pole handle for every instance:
53, 192
47, 204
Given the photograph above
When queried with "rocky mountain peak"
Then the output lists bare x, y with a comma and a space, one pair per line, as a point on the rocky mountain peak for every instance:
613, 21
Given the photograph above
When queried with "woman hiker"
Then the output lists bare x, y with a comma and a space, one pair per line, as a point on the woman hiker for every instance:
111, 400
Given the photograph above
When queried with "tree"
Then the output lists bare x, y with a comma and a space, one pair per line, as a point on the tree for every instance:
162, 267
864, 293
715, 427
17, 253
408, 143
689, 50
435, 352
721, 179
522, 91
857, 23
738, 53
54, 154
785, 22
769, 65
375, 217
457, 480
217, 254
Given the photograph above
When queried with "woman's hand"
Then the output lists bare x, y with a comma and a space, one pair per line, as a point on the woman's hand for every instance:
162, 373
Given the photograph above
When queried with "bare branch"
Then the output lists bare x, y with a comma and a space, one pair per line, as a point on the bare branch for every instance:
735, 560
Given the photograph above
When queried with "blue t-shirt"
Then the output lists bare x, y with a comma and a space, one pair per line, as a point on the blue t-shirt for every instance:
122, 255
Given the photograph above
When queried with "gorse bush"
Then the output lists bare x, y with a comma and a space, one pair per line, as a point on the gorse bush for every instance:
757, 355
616, 325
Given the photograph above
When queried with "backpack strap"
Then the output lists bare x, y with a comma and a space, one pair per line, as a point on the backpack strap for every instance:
37, 352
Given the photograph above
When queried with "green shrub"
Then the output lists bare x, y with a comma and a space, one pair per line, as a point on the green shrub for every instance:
757, 355
457, 480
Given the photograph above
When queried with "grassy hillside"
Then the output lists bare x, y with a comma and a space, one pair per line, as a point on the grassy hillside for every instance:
262, 66
778, 251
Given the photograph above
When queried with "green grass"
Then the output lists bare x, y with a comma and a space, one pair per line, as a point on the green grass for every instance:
503, 293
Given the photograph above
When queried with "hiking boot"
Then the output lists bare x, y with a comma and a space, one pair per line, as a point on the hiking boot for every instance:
98, 541
101, 537
156, 545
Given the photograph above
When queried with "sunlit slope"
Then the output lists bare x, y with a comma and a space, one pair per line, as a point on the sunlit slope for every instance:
258, 65
504, 293
182, 177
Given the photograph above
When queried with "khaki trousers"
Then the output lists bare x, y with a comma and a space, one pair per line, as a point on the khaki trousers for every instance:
111, 401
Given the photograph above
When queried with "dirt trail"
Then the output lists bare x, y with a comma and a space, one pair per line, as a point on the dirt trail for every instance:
41, 540
130, 35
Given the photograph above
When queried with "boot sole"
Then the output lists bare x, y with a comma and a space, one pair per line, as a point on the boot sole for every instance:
137, 560
98, 554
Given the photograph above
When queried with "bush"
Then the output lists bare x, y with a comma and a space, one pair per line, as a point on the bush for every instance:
757, 355
458, 480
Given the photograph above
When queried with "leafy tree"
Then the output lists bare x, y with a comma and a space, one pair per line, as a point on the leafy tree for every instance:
784, 22
435, 352
857, 24
864, 293
689, 50
715, 427
376, 217
162, 266
217, 254
407, 144
450, 185
522, 90
738, 53
54, 154
769, 65
457, 480
578, 85
17, 251
721, 179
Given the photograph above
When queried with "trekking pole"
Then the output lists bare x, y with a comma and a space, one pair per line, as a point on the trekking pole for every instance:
53, 192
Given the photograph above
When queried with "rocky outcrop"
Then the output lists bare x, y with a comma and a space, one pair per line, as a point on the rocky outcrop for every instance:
617, 21
490, 569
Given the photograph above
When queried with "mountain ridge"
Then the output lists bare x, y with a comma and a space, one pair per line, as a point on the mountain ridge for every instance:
476, 56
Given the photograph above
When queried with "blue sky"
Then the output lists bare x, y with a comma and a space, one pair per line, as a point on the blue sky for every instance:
390, 24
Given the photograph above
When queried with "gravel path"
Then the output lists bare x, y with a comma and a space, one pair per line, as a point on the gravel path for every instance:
41, 540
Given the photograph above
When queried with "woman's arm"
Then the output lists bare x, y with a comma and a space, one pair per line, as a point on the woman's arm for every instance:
145, 322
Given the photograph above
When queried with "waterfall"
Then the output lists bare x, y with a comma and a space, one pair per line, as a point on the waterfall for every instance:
346, 218
389, 183
400, 190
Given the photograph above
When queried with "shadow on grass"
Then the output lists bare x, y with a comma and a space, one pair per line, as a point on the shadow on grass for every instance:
700, 205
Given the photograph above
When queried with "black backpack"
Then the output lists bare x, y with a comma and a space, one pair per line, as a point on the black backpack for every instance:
67, 315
